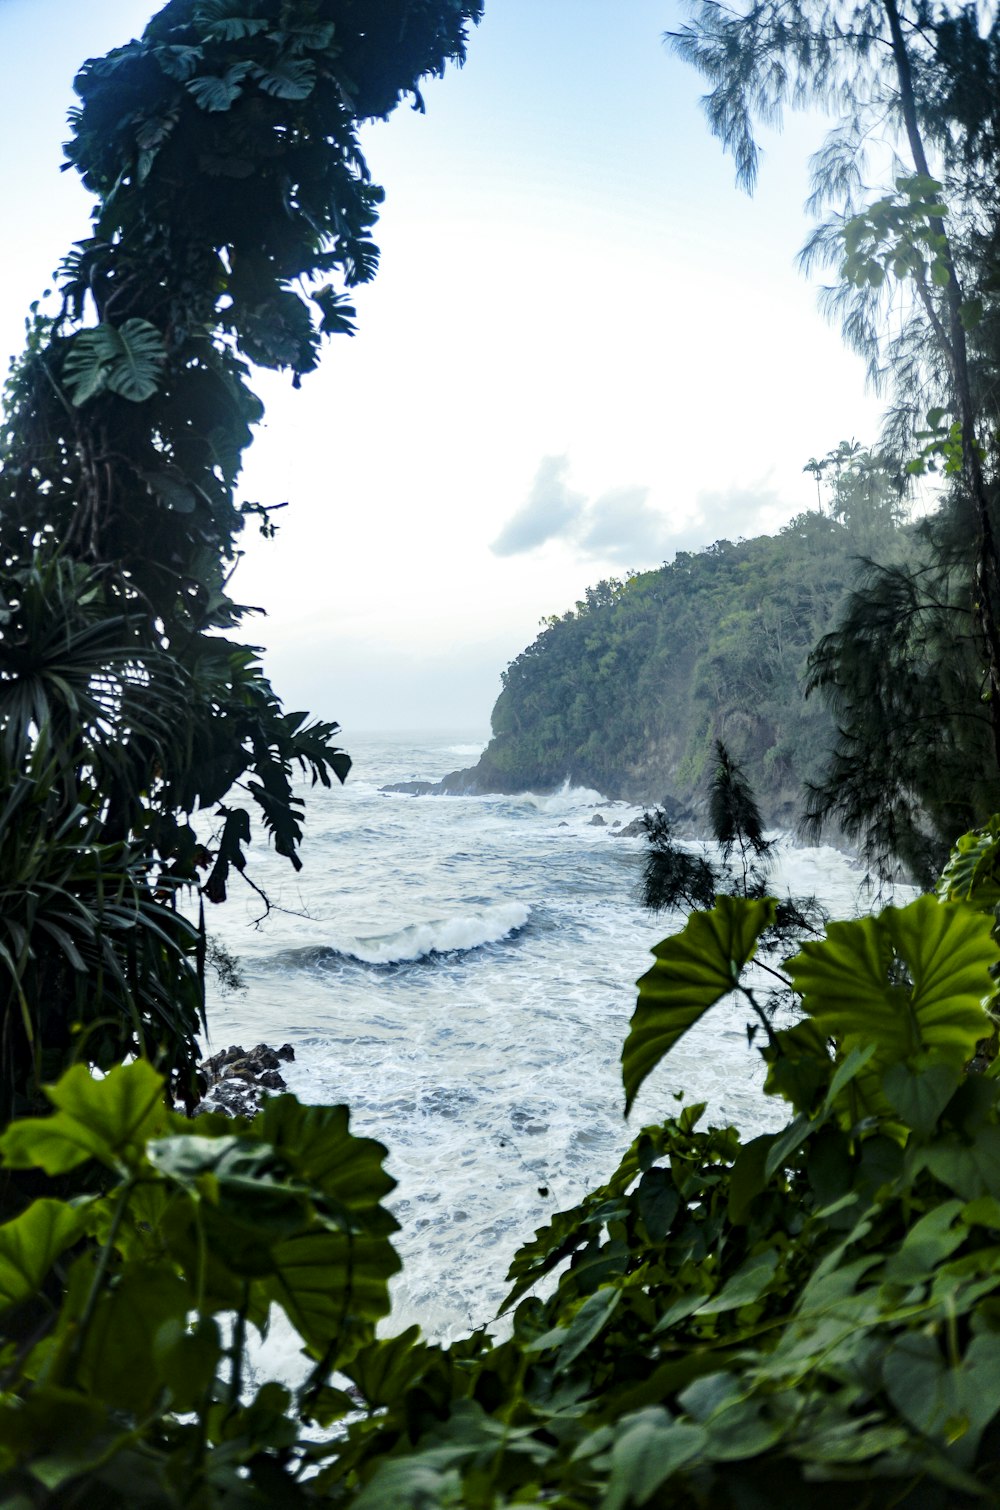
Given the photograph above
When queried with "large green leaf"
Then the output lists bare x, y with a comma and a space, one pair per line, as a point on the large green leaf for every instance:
84, 369
316, 1142
215, 92
288, 79
125, 359
694, 969
332, 1283
952, 1404
135, 371
333, 1287
648, 1447
385, 1369
119, 1354
30, 1244
107, 1119
912, 980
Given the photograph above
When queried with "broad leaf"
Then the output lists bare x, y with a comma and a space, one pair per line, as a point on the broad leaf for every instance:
84, 368
748, 1284
290, 79
135, 371
117, 1360
125, 360
333, 1287
952, 1405
234, 28
105, 1119
855, 987
972, 873
648, 1448
385, 1369
919, 1096
658, 1201
570, 1340
214, 93
316, 1142
694, 969
30, 1244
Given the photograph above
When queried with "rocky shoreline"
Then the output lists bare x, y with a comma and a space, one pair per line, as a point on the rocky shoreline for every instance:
238, 1079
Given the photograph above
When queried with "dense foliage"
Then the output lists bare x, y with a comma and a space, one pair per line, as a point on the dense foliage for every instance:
912, 673
811, 1313
234, 214
808, 1316
630, 691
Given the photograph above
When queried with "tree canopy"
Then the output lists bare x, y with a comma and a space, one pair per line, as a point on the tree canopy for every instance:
906, 188
629, 691
233, 215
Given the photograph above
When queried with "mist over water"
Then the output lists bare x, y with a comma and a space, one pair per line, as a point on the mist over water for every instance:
460, 971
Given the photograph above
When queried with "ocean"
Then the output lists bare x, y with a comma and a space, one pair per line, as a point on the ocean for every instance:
461, 972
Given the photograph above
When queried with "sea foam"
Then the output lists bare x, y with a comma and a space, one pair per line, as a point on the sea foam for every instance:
449, 935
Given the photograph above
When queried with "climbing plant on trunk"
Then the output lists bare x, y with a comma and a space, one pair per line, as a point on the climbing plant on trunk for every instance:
233, 216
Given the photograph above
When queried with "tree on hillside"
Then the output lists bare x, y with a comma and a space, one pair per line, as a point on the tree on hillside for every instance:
913, 674
234, 212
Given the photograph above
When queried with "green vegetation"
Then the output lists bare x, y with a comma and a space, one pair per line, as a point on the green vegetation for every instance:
126, 704
630, 691
809, 1316
811, 1313
912, 672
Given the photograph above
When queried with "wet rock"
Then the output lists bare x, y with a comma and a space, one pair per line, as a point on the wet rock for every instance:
598, 822
633, 830
272, 1081
238, 1079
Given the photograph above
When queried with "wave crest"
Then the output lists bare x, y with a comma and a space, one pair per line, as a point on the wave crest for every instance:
460, 933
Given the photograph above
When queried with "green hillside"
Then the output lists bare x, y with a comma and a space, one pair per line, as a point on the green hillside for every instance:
628, 691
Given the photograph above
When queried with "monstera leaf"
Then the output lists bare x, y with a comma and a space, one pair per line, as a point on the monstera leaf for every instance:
911, 981
693, 970
123, 359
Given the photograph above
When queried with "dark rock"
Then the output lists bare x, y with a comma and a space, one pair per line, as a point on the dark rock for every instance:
272, 1081
237, 1079
263, 1058
454, 784
633, 830
598, 822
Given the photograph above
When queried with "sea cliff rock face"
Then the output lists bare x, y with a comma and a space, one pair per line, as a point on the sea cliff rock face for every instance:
628, 693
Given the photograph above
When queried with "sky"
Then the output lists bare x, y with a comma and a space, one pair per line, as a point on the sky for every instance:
585, 349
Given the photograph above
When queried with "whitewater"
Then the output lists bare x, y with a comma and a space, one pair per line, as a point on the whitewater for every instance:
461, 972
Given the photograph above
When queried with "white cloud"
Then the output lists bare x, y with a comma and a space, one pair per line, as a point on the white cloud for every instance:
550, 511
622, 527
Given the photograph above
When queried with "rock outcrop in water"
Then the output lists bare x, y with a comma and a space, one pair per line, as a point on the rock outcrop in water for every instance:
237, 1079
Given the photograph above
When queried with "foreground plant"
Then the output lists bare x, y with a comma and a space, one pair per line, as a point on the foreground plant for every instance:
810, 1314
233, 216
127, 1307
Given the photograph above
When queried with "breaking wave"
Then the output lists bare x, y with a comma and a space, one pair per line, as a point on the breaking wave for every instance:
451, 935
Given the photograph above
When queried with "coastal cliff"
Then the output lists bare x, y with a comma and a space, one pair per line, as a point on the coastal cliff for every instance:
628, 691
